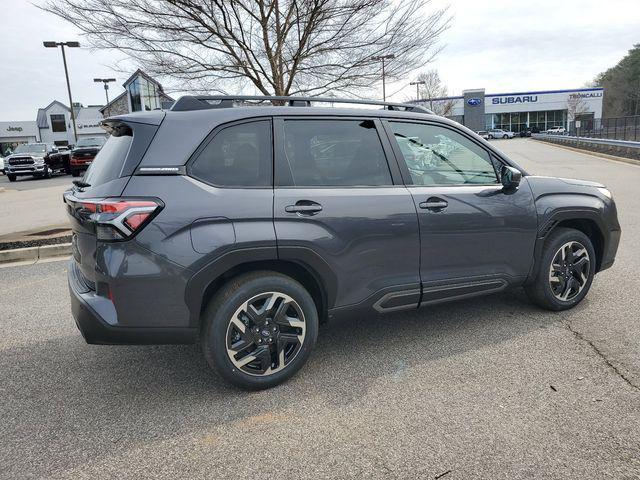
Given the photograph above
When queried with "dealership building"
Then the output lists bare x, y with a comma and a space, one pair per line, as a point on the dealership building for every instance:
516, 111
53, 123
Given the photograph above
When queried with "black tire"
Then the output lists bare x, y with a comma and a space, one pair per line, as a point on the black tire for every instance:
75, 173
505, 136
48, 173
217, 330
540, 290
12, 178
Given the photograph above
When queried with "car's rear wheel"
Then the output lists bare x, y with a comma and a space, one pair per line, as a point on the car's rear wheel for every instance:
566, 269
259, 330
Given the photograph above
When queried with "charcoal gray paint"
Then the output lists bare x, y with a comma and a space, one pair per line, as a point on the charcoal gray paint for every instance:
368, 245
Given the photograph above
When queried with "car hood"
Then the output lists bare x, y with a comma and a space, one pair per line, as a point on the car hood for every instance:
86, 149
542, 186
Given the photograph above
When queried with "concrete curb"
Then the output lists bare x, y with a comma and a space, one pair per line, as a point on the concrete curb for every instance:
35, 253
615, 158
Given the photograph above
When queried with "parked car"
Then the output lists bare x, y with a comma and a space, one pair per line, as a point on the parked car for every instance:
483, 133
557, 131
35, 159
499, 133
83, 154
62, 157
243, 228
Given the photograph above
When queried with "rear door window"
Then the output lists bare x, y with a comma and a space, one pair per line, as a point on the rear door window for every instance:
335, 153
109, 162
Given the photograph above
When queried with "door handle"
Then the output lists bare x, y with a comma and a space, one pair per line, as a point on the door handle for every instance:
304, 207
434, 203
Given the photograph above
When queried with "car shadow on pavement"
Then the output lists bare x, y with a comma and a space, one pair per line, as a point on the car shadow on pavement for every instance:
85, 396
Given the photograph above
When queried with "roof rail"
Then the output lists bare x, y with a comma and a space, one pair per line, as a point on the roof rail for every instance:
197, 102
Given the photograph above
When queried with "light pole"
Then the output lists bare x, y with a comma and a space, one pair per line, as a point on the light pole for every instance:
382, 58
106, 90
66, 74
417, 83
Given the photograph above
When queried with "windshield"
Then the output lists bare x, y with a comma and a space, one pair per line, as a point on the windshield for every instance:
31, 148
90, 142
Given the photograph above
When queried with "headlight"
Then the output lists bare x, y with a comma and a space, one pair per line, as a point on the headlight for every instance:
605, 192
39, 160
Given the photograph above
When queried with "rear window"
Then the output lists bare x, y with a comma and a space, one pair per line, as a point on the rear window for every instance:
108, 163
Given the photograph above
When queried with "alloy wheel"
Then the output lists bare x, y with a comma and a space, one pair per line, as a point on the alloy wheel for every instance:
265, 333
569, 271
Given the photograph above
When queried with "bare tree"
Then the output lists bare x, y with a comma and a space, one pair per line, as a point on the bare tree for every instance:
434, 91
576, 106
282, 47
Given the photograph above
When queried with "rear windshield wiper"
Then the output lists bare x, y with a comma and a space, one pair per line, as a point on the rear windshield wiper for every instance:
81, 184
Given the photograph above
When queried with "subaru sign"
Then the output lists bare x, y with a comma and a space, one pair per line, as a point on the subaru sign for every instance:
474, 102
515, 99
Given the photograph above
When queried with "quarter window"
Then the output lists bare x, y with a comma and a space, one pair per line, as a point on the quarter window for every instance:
58, 123
237, 156
439, 156
335, 153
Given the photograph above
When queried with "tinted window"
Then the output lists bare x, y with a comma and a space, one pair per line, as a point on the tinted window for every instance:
335, 153
439, 156
108, 163
58, 123
237, 156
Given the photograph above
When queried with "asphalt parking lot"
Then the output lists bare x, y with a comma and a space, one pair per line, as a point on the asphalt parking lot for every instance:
32, 183
489, 388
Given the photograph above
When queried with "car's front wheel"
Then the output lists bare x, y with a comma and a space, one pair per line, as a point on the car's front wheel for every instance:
566, 269
12, 178
259, 330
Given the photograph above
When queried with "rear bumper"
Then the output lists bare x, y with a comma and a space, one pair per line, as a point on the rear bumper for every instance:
94, 317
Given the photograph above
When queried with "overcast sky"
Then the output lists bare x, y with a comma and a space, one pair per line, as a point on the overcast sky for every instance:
500, 45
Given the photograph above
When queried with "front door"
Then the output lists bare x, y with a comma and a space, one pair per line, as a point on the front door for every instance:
340, 207
475, 237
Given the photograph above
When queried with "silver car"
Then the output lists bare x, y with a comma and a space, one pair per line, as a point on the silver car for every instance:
499, 133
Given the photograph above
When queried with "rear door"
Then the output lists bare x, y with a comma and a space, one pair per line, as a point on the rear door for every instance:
475, 237
340, 207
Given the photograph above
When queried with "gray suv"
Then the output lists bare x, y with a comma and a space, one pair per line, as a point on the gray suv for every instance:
242, 227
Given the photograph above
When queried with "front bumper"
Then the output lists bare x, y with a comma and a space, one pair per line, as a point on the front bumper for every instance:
26, 170
96, 319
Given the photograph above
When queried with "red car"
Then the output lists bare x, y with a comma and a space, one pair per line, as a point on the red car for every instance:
83, 154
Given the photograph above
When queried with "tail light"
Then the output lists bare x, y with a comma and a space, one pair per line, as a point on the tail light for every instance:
118, 219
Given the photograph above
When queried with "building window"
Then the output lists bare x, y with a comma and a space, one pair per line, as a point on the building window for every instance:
134, 95
58, 123
144, 95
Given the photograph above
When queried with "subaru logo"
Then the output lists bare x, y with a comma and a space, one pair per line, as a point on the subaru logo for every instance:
474, 102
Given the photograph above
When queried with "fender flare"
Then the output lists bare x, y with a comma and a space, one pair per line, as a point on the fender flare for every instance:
304, 257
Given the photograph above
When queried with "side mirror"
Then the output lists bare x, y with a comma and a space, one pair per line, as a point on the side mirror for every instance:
510, 177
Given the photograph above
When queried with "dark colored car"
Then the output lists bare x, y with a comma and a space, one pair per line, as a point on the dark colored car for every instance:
526, 132
83, 154
62, 158
35, 159
242, 228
